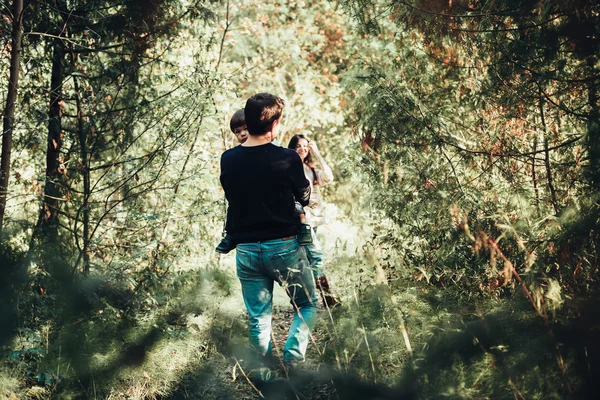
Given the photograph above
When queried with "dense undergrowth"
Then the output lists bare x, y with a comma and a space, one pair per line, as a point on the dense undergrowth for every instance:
392, 336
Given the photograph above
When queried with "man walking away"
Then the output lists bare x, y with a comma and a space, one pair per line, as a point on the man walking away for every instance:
261, 182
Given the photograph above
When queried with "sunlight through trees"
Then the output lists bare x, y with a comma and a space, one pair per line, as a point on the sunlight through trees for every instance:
462, 223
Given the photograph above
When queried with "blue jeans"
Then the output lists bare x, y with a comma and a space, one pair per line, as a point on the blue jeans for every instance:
283, 261
315, 255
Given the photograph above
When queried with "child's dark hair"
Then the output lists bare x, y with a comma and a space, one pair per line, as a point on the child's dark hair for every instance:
238, 119
261, 111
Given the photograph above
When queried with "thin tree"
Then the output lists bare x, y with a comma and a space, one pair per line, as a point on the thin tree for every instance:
48, 218
11, 99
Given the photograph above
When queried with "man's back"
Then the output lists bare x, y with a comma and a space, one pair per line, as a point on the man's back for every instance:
261, 184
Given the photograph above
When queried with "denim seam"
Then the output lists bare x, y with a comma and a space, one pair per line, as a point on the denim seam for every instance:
260, 244
260, 258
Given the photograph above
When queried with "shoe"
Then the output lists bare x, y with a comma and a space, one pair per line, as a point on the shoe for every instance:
328, 298
227, 244
262, 375
305, 235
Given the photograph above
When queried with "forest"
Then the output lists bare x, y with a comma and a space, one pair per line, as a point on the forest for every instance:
462, 225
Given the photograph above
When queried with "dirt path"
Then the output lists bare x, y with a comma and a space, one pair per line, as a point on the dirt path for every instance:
314, 379
308, 383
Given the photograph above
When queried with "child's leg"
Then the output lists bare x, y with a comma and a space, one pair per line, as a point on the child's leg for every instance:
315, 257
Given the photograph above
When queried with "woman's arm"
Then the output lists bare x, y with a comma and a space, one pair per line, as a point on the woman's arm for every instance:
325, 174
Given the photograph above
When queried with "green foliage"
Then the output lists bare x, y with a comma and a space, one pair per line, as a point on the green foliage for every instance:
464, 136
464, 143
13, 267
295, 49
425, 343
116, 277
95, 330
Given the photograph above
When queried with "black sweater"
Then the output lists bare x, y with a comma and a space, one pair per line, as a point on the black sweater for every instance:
261, 184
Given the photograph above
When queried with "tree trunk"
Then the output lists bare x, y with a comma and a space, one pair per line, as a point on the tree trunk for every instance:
85, 170
547, 160
47, 225
534, 175
9, 110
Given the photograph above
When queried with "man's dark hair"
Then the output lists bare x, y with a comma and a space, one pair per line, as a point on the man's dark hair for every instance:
261, 111
237, 120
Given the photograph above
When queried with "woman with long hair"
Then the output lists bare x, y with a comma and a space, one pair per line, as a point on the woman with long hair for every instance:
316, 176
314, 211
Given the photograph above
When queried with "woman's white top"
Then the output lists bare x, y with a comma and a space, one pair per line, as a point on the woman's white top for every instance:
314, 211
